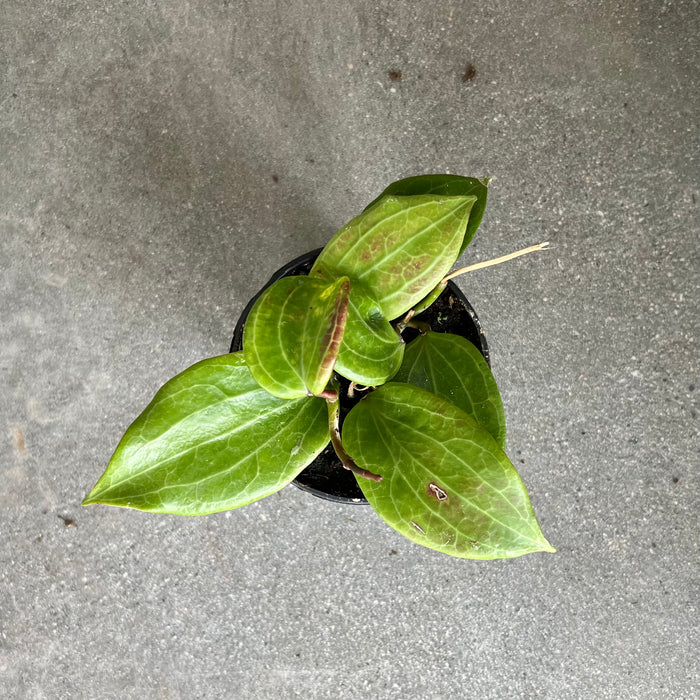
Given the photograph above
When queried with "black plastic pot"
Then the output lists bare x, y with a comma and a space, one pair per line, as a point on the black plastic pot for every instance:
325, 477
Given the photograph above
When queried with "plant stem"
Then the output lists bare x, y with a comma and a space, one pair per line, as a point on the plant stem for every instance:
495, 261
328, 394
422, 305
334, 426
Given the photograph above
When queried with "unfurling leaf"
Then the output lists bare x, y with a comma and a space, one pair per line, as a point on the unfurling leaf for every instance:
293, 335
451, 367
372, 350
446, 185
446, 484
212, 439
398, 249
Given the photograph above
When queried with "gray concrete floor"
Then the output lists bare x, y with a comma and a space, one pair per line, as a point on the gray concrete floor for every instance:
159, 160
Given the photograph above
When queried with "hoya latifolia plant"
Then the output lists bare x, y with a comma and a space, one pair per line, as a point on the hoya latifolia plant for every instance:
427, 441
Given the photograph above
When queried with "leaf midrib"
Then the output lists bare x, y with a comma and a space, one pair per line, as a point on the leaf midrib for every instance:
223, 472
400, 249
220, 436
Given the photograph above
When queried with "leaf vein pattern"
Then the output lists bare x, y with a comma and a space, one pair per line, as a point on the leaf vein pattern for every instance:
382, 260
476, 474
282, 345
362, 235
413, 462
227, 397
255, 453
220, 436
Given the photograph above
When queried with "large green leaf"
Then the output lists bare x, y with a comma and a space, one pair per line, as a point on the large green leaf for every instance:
451, 367
446, 484
372, 350
293, 334
212, 439
450, 185
399, 249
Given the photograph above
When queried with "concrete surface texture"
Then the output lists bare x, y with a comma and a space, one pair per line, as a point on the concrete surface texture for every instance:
159, 160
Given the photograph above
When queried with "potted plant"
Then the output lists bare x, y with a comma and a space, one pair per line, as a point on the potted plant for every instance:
451, 313
426, 441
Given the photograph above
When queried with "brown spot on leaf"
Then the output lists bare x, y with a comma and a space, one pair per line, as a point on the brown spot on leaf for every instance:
469, 73
437, 492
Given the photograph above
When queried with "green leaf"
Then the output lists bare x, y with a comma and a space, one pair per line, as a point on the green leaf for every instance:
372, 350
293, 334
451, 367
446, 483
212, 439
399, 249
449, 185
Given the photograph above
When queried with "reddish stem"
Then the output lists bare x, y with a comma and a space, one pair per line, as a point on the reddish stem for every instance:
334, 426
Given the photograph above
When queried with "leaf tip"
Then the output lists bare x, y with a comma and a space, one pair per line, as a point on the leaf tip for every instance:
544, 546
485, 181
94, 496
